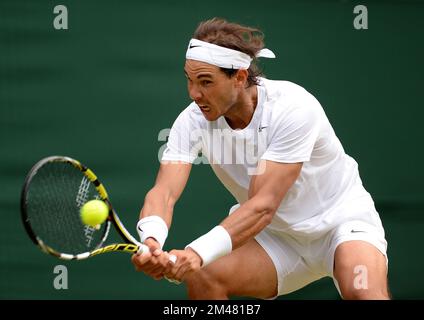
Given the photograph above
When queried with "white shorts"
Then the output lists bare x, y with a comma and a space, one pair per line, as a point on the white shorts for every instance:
300, 261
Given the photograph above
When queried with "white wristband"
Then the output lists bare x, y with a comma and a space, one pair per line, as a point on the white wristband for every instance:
152, 227
213, 245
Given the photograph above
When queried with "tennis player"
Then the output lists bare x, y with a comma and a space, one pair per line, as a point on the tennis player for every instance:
302, 212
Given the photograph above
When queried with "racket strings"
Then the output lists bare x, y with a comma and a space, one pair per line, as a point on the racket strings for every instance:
55, 196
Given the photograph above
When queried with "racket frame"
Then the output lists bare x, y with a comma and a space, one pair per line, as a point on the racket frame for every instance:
131, 245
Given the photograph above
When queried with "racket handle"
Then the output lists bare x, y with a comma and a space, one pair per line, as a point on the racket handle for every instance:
143, 248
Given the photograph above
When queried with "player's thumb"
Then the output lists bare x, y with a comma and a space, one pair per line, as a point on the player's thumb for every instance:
154, 246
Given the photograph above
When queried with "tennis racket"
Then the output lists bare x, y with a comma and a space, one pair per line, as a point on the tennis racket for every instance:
54, 191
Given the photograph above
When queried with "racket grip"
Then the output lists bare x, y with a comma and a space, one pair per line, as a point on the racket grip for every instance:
143, 248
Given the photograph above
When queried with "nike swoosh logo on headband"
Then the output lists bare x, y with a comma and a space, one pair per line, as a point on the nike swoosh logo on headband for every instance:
191, 46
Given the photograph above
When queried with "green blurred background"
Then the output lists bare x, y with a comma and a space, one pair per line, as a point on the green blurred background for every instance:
102, 91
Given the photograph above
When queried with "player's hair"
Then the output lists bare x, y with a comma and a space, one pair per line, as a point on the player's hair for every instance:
234, 36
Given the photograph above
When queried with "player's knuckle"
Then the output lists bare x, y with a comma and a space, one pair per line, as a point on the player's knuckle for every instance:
194, 267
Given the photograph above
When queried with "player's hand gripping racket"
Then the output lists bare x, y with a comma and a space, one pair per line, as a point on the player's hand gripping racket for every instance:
53, 193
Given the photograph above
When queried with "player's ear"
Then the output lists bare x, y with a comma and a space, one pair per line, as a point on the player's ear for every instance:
241, 78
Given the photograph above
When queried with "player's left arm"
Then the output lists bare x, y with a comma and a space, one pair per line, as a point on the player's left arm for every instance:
266, 192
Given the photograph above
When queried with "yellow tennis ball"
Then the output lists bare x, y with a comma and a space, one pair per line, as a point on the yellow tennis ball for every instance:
94, 212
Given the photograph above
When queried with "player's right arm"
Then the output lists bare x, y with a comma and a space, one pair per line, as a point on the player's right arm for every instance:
170, 183
160, 201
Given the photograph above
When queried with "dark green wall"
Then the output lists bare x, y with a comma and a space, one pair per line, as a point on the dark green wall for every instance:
103, 89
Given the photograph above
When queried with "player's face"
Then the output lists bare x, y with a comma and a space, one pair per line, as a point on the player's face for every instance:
212, 90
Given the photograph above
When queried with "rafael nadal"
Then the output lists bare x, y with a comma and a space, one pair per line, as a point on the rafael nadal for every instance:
302, 212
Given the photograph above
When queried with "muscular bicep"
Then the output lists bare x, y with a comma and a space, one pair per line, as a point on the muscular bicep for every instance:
273, 181
266, 191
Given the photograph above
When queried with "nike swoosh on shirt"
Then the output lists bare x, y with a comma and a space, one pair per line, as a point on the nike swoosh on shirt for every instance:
356, 231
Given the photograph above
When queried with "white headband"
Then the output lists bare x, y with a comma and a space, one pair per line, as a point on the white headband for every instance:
221, 56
